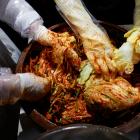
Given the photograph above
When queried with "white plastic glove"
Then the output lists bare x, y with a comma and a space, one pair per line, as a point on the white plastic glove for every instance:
18, 14
24, 86
123, 58
97, 45
129, 53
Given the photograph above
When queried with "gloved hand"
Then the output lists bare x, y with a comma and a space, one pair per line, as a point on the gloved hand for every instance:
63, 44
129, 53
97, 45
24, 86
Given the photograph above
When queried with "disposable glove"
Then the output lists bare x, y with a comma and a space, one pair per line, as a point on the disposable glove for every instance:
96, 43
24, 86
129, 53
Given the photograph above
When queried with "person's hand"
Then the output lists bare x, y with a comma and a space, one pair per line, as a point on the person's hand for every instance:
129, 53
63, 44
97, 45
98, 55
24, 86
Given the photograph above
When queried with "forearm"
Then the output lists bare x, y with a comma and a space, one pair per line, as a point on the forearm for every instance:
19, 15
25, 86
81, 20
